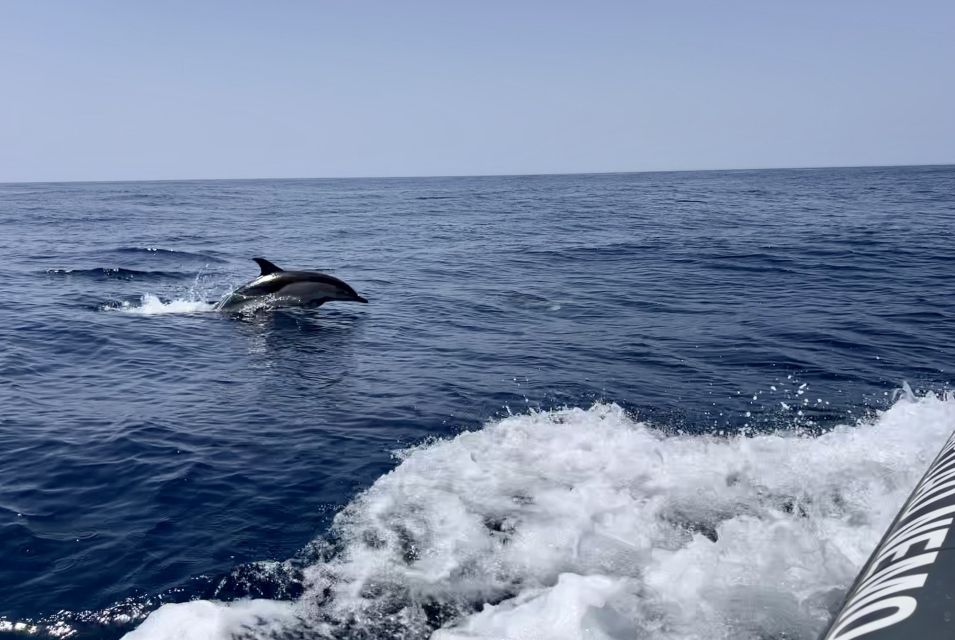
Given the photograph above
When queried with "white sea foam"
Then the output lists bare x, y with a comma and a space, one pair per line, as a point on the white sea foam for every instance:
205, 619
589, 524
151, 305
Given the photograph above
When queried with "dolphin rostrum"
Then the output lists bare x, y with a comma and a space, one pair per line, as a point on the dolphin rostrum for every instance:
277, 287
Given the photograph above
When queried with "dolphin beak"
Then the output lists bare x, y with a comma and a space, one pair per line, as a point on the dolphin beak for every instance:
360, 299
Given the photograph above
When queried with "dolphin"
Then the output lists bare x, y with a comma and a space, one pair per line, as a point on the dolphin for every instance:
278, 287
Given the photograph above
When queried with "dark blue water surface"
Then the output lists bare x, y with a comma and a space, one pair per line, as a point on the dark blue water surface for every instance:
151, 448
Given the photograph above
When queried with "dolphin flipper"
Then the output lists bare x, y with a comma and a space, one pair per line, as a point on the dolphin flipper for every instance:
267, 267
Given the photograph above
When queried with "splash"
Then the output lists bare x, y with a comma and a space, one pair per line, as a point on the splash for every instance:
591, 524
195, 300
152, 305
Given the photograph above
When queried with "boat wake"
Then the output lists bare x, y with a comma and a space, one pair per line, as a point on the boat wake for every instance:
588, 523
591, 524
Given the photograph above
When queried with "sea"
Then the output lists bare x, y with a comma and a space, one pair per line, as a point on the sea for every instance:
669, 405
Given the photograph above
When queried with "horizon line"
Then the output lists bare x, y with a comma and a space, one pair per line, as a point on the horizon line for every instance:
483, 175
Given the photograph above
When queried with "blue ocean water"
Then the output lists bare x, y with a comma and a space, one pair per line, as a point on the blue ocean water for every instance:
153, 450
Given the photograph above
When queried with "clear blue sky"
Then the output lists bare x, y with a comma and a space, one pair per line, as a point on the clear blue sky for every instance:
99, 90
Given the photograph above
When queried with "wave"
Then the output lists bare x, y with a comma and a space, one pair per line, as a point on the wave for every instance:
170, 253
590, 523
585, 253
138, 197
118, 273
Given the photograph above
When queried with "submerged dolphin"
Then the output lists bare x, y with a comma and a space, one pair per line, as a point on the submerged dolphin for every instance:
278, 287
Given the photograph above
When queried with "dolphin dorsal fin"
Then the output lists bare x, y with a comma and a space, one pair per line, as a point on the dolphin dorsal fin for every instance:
267, 267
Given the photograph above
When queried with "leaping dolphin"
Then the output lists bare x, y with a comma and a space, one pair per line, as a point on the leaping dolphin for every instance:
278, 287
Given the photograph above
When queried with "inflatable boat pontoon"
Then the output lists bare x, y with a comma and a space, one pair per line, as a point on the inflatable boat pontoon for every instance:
906, 591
